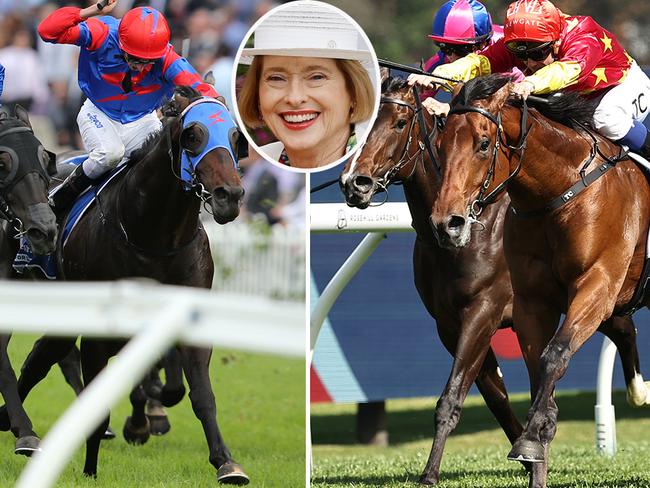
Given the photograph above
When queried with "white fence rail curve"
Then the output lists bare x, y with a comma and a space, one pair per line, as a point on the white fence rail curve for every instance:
395, 217
157, 316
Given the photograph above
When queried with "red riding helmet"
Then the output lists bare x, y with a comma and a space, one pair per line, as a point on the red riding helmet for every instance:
532, 20
144, 33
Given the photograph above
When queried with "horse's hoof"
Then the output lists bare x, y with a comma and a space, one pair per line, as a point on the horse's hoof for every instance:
28, 445
231, 473
157, 415
170, 397
524, 450
136, 435
108, 435
158, 424
427, 480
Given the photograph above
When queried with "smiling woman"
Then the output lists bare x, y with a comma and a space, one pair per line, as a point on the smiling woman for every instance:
311, 83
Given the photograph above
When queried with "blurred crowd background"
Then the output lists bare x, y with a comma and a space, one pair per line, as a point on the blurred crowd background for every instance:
42, 77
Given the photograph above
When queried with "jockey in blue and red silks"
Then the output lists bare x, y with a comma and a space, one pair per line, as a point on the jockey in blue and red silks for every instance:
126, 68
460, 27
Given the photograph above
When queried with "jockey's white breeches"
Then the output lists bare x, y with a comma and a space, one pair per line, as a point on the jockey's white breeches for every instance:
623, 104
109, 142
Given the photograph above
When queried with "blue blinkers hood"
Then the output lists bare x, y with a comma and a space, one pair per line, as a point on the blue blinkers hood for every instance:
214, 121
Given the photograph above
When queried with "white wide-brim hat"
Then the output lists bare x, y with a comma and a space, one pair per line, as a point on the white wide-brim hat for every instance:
308, 29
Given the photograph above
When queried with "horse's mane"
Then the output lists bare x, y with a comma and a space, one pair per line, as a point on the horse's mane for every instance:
171, 111
393, 84
567, 108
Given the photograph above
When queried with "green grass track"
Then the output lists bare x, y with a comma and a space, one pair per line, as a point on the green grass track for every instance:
261, 413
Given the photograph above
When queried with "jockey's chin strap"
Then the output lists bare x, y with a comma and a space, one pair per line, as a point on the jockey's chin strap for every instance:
424, 141
482, 201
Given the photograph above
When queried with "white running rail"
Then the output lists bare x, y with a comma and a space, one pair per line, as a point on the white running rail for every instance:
157, 316
395, 217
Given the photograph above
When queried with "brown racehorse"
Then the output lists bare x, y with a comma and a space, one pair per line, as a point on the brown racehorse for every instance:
583, 258
467, 291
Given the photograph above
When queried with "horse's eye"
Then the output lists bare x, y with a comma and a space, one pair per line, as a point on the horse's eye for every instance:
485, 144
401, 123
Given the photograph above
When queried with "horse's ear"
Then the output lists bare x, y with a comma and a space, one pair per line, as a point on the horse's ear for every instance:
51, 163
22, 115
384, 73
209, 78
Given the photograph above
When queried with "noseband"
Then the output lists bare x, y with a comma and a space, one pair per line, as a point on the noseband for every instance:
424, 141
476, 206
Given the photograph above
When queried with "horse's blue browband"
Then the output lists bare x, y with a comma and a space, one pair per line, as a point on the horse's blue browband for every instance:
215, 118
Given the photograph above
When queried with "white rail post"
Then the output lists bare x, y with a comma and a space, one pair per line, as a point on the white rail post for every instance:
103, 392
604, 410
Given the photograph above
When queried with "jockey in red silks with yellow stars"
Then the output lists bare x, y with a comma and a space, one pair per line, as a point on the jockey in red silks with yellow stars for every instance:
126, 68
557, 51
460, 27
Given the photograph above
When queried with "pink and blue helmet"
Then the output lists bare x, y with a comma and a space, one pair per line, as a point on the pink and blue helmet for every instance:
462, 22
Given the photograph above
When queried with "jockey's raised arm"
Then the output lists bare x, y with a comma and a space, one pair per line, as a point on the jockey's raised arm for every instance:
127, 68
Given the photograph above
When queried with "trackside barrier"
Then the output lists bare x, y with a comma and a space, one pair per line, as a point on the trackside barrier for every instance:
157, 316
395, 217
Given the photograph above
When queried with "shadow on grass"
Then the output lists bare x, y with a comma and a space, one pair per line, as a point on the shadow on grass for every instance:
417, 424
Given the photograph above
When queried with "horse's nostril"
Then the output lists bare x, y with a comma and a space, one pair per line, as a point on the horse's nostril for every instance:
220, 193
455, 221
362, 184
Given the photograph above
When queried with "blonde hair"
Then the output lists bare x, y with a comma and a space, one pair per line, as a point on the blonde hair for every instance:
357, 82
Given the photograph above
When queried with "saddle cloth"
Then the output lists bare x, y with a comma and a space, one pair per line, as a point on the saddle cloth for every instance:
25, 259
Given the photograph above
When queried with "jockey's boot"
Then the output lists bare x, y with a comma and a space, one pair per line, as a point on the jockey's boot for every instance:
66, 194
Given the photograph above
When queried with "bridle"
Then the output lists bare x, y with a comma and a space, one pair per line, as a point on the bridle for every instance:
424, 140
477, 205
18, 170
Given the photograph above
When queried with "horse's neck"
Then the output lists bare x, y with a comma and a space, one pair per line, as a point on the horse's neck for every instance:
551, 163
153, 198
418, 190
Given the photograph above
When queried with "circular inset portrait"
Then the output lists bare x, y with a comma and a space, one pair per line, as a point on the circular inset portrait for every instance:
307, 86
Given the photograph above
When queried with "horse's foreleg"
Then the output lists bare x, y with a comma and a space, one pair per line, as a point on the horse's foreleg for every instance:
582, 320
622, 332
46, 352
136, 427
94, 357
490, 384
468, 345
21, 426
196, 362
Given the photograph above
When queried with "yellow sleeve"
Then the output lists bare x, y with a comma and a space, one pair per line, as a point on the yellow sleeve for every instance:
555, 76
465, 68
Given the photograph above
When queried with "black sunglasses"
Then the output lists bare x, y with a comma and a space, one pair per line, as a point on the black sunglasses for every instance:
460, 50
530, 50
138, 61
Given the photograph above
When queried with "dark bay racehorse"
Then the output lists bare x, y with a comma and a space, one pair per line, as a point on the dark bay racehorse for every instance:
25, 168
467, 291
146, 224
579, 253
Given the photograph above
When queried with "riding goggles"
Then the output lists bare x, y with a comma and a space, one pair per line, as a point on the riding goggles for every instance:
138, 61
459, 50
537, 51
